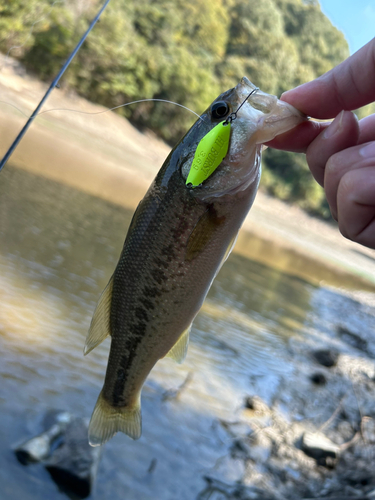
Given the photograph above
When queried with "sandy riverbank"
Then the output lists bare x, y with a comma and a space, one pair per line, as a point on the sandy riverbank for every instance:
103, 154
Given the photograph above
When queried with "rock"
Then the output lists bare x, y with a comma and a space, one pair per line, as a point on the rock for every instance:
240, 449
39, 447
236, 429
260, 454
53, 417
318, 378
326, 357
318, 446
216, 490
345, 430
256, 404
352, 339
343, 497
73, 466
368, 430
358, 478
152, 465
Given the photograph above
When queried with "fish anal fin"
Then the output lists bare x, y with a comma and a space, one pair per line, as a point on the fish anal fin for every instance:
203, 232
100, 323
179, 350
107, 420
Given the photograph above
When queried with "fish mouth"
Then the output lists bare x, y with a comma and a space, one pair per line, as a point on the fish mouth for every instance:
274, 117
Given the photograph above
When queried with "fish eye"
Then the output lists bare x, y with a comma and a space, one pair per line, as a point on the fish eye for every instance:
219, 110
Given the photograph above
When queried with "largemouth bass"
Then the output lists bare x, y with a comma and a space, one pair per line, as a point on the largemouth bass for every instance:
179, 237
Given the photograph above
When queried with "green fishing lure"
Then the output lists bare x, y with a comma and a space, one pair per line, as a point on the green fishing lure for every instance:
209, 154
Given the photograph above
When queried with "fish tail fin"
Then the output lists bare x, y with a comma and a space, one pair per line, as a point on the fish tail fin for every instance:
106, 420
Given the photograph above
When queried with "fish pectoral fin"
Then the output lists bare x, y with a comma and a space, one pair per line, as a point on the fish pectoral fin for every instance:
100, 325
107, 420
179, 350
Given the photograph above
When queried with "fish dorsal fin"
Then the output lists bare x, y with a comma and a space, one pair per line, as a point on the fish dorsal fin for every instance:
179, 350
100, 326
203, 232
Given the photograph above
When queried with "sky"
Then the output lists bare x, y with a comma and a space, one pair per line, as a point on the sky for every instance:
355, 18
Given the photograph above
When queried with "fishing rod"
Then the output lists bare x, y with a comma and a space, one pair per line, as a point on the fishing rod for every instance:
53, 85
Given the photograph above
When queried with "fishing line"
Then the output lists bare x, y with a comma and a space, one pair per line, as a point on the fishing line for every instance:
15, 107
51, 87
116, 107
104, 111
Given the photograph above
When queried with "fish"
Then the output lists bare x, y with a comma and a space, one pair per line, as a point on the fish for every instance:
179, 237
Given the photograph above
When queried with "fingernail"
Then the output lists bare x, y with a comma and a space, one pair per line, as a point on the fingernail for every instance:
368, 151
334, 127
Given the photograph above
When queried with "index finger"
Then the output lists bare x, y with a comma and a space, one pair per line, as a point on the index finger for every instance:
348, 86
299, 138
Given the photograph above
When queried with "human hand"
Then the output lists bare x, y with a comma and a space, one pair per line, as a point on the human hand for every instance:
340, 154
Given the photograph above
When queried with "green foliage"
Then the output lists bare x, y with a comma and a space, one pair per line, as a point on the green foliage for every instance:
287, 176
182, 51
366, 111
52, 44
16, 20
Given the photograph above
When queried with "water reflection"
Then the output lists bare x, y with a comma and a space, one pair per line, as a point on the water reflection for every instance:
58, 249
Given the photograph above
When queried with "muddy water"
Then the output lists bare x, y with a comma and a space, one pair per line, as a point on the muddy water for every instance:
58, 248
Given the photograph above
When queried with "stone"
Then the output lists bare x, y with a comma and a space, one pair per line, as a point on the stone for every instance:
240, 449
73, 466
39, 447
368, 430
352, 339
318, 378
358, 478
326, 357
216, 489
319, 447
256, 404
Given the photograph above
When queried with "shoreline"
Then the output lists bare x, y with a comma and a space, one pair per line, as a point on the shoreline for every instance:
104, 155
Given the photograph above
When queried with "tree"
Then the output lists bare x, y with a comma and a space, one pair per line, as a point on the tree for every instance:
187, 52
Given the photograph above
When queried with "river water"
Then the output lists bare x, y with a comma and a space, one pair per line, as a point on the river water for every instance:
58, 249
